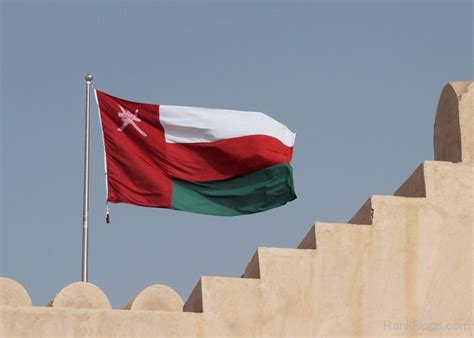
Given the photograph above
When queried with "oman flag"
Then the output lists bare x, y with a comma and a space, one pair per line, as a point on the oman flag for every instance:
208, 161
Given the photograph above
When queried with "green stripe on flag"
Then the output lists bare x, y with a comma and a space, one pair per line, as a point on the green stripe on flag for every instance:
259, 191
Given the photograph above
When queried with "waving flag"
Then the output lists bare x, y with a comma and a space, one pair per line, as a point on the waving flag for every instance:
208, 161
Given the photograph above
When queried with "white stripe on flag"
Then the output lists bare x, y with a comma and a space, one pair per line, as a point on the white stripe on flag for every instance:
193, 125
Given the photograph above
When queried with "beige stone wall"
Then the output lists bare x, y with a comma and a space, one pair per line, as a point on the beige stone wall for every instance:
454, 125
402, 261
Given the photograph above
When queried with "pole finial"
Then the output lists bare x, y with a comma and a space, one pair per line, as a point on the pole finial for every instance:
89, 77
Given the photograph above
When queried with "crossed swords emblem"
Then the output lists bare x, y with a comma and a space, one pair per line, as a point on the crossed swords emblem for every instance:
129, 118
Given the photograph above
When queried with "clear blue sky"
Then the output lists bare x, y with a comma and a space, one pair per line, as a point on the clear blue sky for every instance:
358, 81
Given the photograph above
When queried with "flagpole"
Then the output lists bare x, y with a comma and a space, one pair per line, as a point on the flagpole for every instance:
85, 213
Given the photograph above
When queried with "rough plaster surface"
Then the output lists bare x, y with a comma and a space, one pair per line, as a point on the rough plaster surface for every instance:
13, 293
156, 298
402, 267
454, 125
81, 295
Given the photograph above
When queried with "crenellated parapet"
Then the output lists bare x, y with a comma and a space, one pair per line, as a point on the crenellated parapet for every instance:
82, 295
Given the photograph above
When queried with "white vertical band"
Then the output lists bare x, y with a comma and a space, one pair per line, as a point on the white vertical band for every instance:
105, 154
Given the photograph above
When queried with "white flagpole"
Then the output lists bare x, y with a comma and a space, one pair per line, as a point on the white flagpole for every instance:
85, 213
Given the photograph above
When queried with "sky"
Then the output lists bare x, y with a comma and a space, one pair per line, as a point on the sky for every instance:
357, 81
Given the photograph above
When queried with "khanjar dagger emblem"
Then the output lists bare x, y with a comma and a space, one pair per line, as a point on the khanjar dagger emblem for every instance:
128, 118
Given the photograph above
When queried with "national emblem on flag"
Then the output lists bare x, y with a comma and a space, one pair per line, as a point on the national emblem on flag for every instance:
208, 161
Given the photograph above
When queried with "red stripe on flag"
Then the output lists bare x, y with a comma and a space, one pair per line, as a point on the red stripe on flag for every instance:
224, 159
